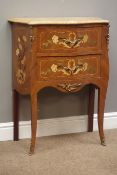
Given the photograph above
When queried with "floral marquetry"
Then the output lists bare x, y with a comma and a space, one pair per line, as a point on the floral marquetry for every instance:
21, 59
71, 69
73, 40
68, 67
67, 41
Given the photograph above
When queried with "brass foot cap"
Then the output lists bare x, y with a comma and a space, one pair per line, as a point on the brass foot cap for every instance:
103, 142
31, 152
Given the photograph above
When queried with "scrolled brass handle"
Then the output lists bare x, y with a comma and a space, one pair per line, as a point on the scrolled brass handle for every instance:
71, 69
69, 87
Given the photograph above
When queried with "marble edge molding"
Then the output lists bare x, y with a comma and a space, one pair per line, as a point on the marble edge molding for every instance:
64, 20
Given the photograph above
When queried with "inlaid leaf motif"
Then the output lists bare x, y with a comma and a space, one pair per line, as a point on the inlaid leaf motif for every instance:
21, 59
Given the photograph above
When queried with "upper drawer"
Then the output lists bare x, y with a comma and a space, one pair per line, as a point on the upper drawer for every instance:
58, 41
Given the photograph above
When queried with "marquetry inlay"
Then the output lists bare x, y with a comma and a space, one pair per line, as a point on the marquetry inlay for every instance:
21, 59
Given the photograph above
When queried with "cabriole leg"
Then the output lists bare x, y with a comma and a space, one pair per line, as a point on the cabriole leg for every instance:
101, 105
33, 121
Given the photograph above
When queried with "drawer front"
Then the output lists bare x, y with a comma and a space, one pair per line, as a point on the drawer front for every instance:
57, 41
55, 68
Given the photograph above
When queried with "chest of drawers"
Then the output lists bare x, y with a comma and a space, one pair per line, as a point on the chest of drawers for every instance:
66, 54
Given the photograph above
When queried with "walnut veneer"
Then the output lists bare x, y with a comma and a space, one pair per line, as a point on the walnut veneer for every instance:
65, 54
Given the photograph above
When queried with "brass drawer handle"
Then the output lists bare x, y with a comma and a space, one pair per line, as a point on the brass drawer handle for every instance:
71, 69
69, 87
73, 40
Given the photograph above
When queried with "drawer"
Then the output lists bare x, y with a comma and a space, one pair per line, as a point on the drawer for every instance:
55, 68
58, 41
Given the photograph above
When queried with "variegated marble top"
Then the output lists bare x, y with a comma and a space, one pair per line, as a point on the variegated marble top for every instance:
64, 20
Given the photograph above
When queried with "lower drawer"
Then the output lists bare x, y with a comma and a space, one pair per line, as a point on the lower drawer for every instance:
54, 68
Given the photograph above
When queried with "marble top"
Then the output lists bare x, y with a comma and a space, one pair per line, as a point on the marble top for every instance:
66, 20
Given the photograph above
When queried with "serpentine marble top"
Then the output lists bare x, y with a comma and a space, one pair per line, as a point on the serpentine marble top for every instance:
66, 20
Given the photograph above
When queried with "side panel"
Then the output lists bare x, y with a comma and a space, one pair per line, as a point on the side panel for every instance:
21, 58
